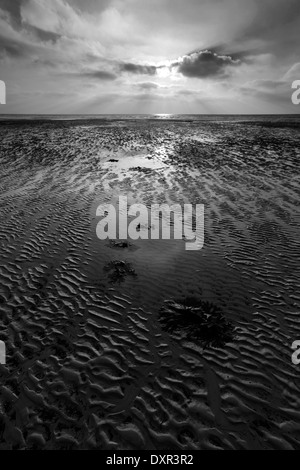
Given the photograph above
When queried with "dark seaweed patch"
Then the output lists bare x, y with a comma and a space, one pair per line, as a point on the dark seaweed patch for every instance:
119, 270
119, 244
141, 170
196, 320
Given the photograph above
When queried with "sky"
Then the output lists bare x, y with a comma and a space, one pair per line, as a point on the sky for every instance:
149, 56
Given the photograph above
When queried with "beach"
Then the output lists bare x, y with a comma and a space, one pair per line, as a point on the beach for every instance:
144, 344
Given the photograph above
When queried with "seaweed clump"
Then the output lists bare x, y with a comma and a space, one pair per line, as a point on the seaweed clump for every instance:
119, 270
196, 320
147, 171
119, 244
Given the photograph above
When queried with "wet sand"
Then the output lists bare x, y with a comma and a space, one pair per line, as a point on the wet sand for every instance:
95, 358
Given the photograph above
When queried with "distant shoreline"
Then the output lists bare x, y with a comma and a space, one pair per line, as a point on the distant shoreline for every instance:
266, 120
151, 117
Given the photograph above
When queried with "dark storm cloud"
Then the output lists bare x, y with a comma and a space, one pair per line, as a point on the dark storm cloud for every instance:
42, 34
13, 47
12, 44
237, 54
99, 75
203, 64
13, 7
199, 64
275, 26
17, 48
138, 69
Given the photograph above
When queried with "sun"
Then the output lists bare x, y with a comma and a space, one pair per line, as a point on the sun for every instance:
164, 72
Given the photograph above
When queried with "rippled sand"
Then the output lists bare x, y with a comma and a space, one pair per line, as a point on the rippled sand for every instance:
90, 364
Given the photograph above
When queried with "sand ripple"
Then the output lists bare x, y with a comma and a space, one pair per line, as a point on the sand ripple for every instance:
90, 365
